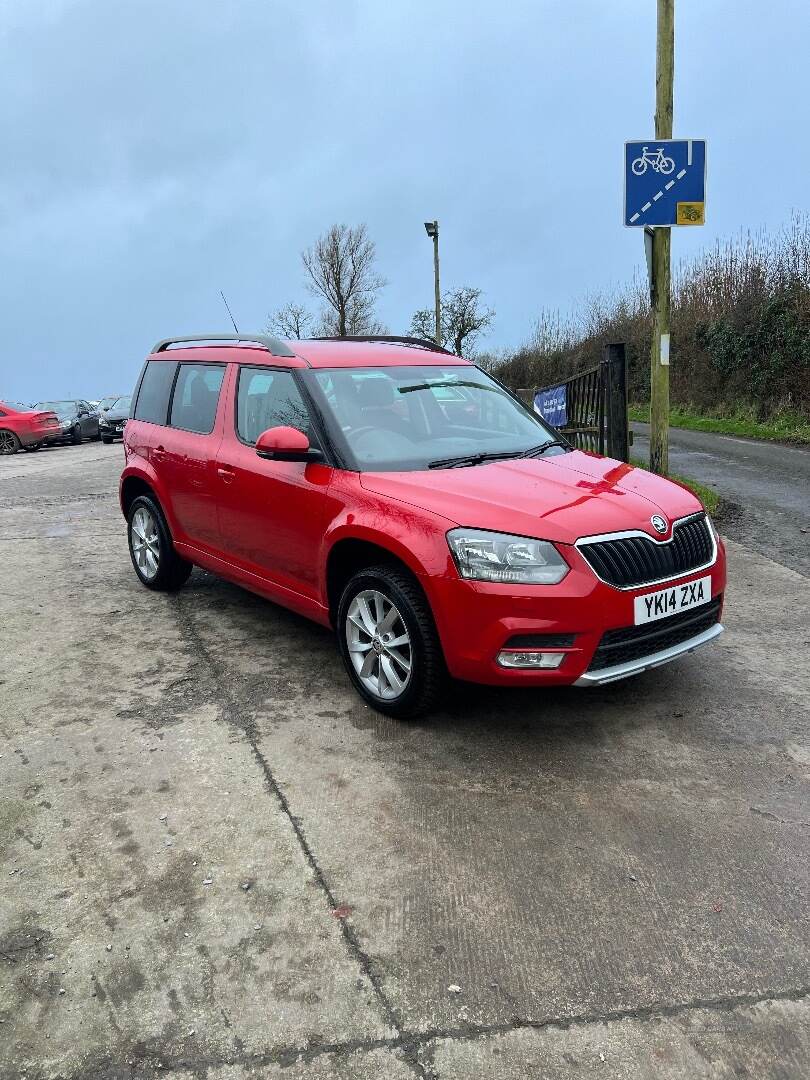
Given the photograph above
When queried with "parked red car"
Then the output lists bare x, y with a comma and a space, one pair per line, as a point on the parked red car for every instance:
24, 427
404, 497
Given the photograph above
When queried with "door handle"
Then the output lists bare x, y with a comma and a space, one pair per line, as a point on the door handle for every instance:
228, 475
158, 452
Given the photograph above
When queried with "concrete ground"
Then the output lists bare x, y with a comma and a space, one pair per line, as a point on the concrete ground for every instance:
768, 484
216, 862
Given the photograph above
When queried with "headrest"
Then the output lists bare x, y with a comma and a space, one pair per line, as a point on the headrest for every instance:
198, 391
375, 391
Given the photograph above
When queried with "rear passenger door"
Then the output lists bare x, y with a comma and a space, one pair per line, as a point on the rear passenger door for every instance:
188, 452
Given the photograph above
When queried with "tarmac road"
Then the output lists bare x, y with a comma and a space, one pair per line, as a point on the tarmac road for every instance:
216, 862
768, 483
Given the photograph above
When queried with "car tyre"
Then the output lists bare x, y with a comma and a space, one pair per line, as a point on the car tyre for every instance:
76, 435
9, 443
154, 558
405, 675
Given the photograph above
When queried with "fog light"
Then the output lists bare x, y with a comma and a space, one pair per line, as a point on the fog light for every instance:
511, 659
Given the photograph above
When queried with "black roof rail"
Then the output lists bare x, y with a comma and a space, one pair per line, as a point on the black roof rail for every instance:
274, 345
422, 343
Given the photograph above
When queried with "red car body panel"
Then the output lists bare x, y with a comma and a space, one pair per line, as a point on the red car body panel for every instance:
31, 427
557, 498
271, 525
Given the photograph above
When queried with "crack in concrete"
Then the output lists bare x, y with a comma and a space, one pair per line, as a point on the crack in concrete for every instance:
410, 1043
359, 955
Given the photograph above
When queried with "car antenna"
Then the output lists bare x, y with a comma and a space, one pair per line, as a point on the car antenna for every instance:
225, 302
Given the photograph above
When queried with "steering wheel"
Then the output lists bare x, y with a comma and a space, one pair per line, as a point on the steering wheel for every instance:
359, 432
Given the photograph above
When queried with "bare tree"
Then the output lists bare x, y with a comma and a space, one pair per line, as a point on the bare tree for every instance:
463, 319
360, 320
291, 321
423, 324
340, 265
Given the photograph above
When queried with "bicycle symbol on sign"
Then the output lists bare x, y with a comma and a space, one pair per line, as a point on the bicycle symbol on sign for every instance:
657, 161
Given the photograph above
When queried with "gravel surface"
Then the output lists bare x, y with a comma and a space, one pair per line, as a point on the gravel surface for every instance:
217, 863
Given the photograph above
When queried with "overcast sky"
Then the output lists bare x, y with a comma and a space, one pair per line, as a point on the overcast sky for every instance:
155, 152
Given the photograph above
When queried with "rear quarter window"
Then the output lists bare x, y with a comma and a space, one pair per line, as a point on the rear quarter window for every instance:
155, 390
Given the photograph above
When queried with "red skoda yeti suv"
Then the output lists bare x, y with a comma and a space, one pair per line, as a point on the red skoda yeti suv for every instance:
397, 493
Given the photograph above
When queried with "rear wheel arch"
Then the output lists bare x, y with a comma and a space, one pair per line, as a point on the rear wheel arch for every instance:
10, 442
131, 488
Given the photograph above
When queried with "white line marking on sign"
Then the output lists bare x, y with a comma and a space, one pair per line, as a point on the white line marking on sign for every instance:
657, 196
681, 173
635, 217
689, 152
646, 206
669, 185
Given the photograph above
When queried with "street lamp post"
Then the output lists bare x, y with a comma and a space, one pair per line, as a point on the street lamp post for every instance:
432, 229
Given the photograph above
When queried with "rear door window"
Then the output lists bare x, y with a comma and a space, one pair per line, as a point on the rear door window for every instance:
196, 396
268, 398
156, 387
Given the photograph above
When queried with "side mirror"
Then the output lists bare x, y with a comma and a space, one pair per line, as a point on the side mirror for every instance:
286, 444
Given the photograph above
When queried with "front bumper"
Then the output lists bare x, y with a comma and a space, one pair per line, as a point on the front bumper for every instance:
635, 667
476, 620
113, 432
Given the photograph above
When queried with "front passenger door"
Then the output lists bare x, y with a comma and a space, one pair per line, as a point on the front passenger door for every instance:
88, 422
271, 513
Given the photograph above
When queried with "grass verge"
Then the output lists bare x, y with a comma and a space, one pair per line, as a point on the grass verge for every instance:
708, 496
785, 427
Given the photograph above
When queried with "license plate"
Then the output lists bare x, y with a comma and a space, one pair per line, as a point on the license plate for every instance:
665, 602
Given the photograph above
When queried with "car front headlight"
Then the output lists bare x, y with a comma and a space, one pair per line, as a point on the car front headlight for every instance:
492, 556
67, 425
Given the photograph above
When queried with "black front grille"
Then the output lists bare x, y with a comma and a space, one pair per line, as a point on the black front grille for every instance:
639, 560
634, 642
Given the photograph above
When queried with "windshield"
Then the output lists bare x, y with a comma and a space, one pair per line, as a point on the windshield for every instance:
411, 418
108, 402
121, 404
19, 406
61, 408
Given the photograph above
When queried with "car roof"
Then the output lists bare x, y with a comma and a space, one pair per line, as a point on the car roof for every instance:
317, 354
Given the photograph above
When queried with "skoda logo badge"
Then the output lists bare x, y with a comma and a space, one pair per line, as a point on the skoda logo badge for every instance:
658, 523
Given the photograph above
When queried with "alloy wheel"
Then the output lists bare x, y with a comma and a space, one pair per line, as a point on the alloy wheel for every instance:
8, 443
145, 543
379, 644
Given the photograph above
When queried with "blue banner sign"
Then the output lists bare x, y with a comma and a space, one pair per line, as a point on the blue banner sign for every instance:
551, 405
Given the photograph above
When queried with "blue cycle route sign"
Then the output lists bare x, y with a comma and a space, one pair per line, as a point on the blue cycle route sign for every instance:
664, 182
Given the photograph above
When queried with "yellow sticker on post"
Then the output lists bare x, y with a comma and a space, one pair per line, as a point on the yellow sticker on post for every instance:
690, 213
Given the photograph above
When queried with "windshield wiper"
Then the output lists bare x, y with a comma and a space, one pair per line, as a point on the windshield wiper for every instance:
537, 451
440, 384
473, 459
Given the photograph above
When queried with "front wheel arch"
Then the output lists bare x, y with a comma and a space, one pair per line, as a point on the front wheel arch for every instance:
350, 555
